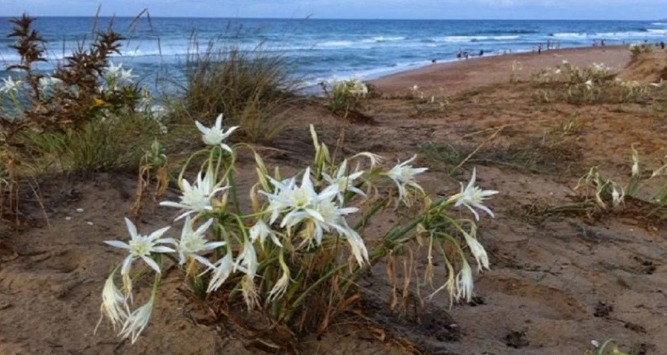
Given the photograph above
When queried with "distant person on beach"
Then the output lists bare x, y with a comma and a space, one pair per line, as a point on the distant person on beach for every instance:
459, 54
481, 52
539, 48
662, 44
602, 42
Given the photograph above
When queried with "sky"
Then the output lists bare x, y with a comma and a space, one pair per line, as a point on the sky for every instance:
350, 9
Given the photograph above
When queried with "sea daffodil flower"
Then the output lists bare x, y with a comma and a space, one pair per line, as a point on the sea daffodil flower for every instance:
473, 197
221, 271
114, 303
216, 135
464, 282
403, 176
196, 198
344, 183
193, 242
261, 230
476, 248
9, 85
142, 246
137, 321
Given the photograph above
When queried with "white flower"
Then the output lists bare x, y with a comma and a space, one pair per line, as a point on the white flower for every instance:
279, 289
617, 196
344, 183
476, 248
358, 88
635, 162
137, 321
141, 246
118, 76
595, 343
298, 202
261, 230
247, 260
600, 67
589, 84
357, 245
464, 282
216, 135
473, 197
222, 269
9, 85
194, 242
196, 198
403, 176
373, 158
48, 83
277, 200
114, 303
331, 217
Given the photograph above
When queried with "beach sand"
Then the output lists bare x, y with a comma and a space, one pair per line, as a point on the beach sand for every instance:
559, 278
452, 77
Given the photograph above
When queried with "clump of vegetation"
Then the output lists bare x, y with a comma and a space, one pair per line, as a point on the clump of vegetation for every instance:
295, 257
590, 85
345, 95
598, 195
253, 89
638, 49
88, 115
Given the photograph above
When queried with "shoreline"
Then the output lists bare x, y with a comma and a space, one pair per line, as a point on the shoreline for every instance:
462, 74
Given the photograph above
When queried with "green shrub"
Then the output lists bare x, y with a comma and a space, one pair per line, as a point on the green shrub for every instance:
103, 144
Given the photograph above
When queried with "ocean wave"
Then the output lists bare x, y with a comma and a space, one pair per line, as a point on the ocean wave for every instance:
496, 32
335, 44
659, 23
459, 39
607, 35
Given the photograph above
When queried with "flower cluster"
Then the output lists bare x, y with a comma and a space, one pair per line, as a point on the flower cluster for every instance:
297, 224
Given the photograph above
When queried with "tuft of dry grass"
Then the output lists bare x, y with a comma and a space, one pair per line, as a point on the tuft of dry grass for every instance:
253, 89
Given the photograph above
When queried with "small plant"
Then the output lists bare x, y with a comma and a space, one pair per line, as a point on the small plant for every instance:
345, 95
516, 69
152, 171
294, 255
607, 193
638, 49
250, 87
609, 347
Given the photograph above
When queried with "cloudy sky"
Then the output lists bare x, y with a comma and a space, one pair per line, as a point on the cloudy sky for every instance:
407, 9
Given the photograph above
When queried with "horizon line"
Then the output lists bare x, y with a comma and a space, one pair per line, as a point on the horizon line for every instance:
310, 17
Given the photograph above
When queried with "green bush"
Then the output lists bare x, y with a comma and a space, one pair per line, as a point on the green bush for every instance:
104, 144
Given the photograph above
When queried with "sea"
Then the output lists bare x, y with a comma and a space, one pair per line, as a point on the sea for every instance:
319, 50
